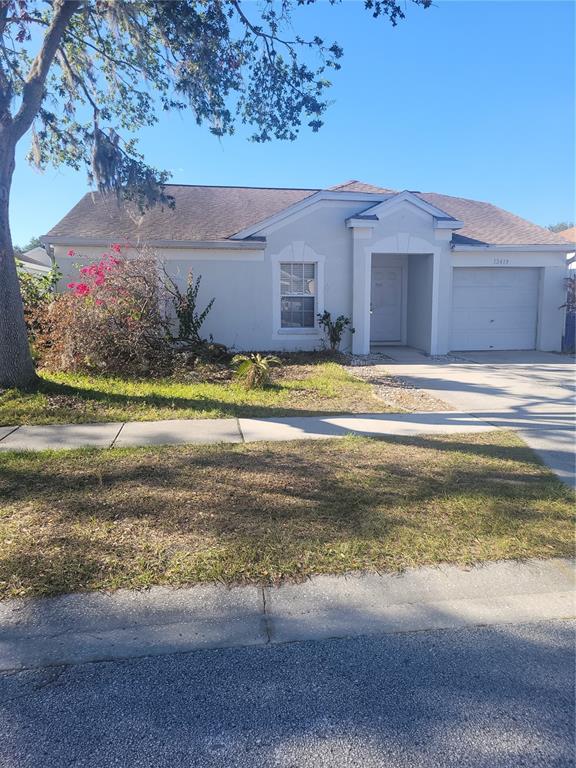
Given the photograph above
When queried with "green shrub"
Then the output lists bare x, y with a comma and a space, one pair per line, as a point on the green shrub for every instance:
334, 329
190, 319
37, 292
255, 370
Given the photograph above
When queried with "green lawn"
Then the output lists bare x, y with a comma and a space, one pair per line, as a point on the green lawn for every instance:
85, 520
324, 387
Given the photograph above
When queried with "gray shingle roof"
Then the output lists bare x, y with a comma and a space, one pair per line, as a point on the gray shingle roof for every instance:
216, 213
483, 222
201, 213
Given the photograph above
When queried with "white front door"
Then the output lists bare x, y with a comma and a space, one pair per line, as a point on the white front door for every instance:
386, 305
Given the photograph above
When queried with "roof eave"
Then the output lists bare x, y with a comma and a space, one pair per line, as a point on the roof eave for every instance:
555, 247
232, 245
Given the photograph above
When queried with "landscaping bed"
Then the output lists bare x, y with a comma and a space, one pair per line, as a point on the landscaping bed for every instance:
305, 384
103, 519
297, 389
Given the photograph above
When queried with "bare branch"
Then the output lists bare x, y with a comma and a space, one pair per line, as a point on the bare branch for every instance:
33, 91
259, 32
3, 17
76, 78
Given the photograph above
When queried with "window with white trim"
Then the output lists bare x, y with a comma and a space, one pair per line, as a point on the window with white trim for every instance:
297, 294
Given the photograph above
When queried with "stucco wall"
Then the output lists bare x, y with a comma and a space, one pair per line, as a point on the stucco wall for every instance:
239, 282
243, 282
419, 301
324, 232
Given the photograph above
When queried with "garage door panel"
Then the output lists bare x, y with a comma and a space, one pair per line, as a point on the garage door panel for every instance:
492, 319
494, 308
495, 297
476, 341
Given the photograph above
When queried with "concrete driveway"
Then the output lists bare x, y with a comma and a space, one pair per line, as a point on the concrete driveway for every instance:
531, 392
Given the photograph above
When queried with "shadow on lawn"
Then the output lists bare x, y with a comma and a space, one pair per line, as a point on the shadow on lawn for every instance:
257, 512
72, 401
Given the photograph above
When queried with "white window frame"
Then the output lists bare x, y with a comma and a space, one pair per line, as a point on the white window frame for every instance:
303, 295
296, 252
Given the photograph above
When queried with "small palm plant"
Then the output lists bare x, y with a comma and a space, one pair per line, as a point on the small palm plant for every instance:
334, 329
254, 370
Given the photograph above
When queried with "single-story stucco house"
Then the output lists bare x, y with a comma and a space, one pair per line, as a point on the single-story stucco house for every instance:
431, 271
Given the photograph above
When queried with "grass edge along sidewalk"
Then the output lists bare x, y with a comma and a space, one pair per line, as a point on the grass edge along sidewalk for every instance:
269, 512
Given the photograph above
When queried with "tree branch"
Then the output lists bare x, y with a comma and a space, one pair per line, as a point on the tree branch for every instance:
259, 32
5, 85
33, 91
3, 17
77, 79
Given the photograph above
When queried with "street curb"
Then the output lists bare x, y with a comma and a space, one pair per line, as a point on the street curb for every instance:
80, 628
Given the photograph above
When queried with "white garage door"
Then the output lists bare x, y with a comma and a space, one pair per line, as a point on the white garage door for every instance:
494, 308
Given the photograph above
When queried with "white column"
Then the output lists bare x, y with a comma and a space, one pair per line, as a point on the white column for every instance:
441, 319
361, 271
434, 320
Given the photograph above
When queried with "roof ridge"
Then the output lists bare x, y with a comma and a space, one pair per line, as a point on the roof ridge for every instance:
336, 187
244, 186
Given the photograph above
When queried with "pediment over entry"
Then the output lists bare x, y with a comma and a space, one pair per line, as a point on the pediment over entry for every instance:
374, 213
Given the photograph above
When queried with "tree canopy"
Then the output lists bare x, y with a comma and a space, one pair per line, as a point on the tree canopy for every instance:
560, 226
87, 74
84, 76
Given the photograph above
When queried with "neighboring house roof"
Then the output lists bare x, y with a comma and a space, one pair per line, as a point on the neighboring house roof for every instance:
205, 213
569, 234
35, 260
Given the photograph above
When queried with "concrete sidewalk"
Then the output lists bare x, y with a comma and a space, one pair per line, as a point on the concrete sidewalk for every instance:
80, 628
206, 431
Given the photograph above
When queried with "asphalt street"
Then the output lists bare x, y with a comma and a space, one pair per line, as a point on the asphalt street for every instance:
494, 697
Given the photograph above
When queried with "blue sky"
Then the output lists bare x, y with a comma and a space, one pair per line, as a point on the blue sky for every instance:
474, 99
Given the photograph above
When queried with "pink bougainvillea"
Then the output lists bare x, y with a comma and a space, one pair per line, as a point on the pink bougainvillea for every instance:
95, 274
79, 289
111, 318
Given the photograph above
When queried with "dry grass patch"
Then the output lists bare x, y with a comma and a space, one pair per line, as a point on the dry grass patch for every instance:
300, 388
265, 512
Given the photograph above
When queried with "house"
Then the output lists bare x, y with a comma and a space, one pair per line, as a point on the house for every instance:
35, 261
568, 234
431, 271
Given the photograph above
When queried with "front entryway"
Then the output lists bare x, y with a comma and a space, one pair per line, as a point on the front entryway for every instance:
386, 304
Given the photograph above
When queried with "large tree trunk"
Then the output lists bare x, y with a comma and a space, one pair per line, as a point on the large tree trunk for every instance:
16, 366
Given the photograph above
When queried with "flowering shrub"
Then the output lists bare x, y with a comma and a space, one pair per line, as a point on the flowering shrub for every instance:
110, 320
